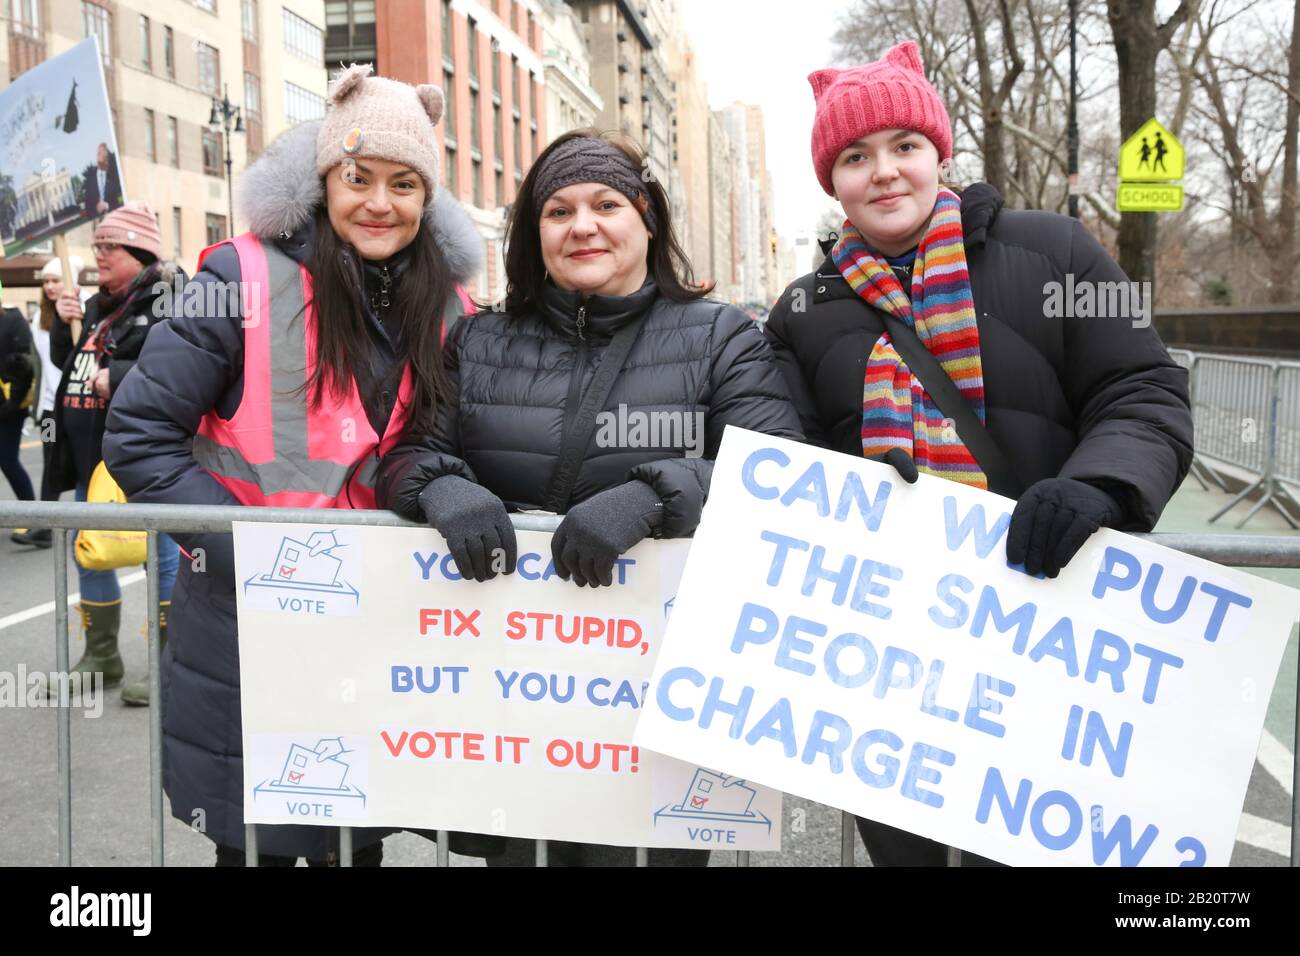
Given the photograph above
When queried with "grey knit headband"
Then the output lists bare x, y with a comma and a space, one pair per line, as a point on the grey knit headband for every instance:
585, 159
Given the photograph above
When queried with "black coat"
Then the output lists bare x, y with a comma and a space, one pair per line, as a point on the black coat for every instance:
1094, 399
514, 377
125, 341
15, 363
193, 365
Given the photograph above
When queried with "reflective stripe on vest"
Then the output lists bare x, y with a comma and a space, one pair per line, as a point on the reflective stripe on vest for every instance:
276, 450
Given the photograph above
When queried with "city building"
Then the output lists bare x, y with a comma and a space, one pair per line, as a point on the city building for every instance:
571, 101
692, 157
165, 61
629, 73
658, 93
785, 273
756, 153
722, 205
748, 255
805, 255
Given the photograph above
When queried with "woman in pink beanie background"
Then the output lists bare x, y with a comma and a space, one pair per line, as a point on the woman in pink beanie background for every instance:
132, 299
924, 340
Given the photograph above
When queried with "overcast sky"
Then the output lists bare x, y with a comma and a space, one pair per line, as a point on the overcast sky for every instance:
761, 51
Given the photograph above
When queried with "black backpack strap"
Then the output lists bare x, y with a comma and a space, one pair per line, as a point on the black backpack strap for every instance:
582, 425
922, 363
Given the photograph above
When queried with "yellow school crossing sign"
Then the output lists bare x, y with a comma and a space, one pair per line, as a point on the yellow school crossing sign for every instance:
1150, 197
1150, 154
1148, 161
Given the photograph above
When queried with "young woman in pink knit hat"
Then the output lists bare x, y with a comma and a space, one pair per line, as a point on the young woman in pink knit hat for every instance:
928, 338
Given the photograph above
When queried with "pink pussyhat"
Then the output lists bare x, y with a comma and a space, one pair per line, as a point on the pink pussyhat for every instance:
891, 93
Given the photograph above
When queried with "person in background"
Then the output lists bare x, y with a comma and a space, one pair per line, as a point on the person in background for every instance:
16, 378
134, 296
47, 326
1085, 421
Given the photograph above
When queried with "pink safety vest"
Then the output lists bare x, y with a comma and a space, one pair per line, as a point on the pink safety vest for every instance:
277, 450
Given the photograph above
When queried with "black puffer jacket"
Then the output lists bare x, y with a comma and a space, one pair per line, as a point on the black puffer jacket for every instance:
1094, 399
514, 378
15, 364
193, 365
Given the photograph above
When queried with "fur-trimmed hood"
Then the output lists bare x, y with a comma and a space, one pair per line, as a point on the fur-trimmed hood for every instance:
278, 194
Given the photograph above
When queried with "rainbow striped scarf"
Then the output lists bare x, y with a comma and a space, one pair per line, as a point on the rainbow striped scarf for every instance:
896, 410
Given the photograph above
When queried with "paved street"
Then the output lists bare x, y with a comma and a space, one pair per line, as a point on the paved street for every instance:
111, 759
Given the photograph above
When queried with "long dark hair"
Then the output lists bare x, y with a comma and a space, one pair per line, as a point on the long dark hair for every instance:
666, 263
344, 348
48, 315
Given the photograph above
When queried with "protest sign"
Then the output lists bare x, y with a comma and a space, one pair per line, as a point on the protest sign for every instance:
868, 647
58, 153
380, 689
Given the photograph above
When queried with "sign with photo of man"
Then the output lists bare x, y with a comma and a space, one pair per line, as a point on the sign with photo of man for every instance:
58, 151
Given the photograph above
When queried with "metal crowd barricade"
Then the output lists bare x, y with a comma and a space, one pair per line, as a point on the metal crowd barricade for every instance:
1246, 413
1202, 472
1237, 550
1287, 467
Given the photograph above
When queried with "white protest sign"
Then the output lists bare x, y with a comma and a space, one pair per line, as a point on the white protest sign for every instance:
869, 648
380, 689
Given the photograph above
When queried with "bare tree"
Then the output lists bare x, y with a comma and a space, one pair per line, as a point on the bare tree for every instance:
1004, 83
1231, 94
1242, 119
1138, 41
993, 97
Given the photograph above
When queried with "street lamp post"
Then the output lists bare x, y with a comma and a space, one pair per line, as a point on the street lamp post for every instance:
226, 116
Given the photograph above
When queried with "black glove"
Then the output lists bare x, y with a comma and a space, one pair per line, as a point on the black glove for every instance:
594, 533
475, 524
902, 462
1053, 519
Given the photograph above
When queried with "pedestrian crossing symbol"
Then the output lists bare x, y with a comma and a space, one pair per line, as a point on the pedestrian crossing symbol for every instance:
1152, 154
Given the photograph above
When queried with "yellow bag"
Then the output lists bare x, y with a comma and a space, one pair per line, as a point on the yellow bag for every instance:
7, 387
106, 550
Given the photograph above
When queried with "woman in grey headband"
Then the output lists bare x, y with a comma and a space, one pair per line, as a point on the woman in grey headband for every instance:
602, 322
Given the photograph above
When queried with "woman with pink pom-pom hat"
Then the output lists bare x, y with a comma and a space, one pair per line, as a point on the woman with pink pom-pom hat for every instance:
933, 337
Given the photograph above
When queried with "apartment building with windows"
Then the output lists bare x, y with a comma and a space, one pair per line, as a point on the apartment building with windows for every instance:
165, 61
629, 73
571, 101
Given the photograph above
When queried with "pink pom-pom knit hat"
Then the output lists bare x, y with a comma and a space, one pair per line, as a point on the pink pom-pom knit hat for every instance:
891, 93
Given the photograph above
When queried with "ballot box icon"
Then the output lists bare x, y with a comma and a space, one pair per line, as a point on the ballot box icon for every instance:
709, 789
309, 770
313, 566
320, 770
297, 564
716, 796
